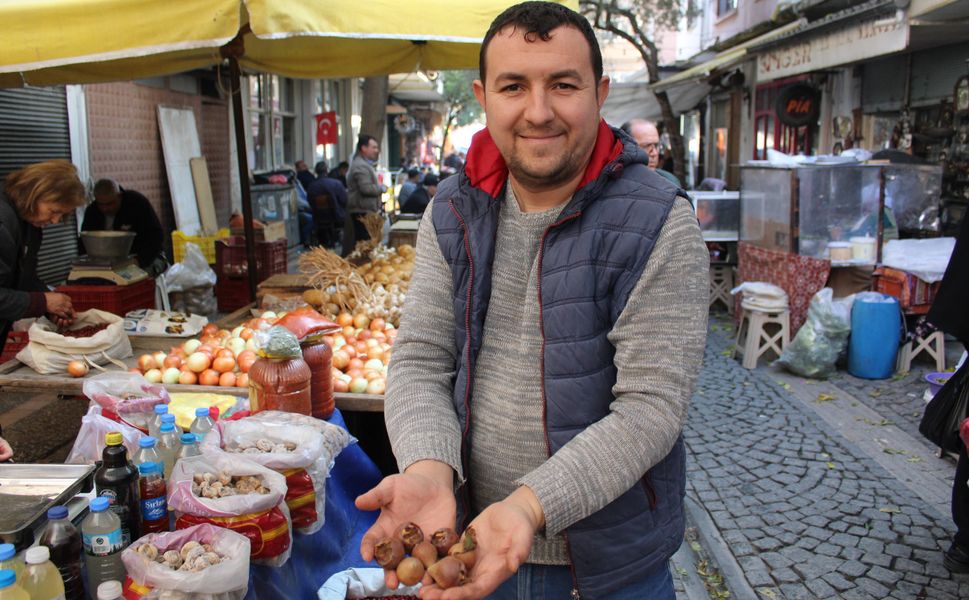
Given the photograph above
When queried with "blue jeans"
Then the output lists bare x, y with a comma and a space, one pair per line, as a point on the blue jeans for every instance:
544, 582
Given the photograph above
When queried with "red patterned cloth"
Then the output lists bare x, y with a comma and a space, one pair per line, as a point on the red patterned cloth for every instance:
800, 276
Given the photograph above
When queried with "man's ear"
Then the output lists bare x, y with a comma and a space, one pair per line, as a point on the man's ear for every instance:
479, 92
602, 91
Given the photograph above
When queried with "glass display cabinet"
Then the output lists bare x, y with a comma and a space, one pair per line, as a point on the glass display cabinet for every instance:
718, 214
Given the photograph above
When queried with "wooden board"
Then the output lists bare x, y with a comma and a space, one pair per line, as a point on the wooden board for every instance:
203, 194
180, 142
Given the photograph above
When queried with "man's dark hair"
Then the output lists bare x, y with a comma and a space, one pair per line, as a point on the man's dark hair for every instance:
343, 164
536, 20
107, 187
412, 173
320, 168
363, 140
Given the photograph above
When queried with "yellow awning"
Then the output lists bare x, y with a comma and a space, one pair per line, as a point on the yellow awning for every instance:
48, 42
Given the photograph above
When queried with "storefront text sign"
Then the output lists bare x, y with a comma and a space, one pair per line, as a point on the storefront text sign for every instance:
847, 44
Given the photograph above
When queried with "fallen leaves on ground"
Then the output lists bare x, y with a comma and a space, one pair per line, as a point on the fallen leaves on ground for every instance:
826, 398
890, 509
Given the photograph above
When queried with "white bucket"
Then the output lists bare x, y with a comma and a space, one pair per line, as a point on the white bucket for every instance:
839, 251
863, 249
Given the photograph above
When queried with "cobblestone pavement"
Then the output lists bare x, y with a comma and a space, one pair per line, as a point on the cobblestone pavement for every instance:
806, 513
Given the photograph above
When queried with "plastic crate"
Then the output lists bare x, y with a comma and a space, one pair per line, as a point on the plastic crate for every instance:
205, 242
232, 294
117, 299
231, 261
914, 295
16, 341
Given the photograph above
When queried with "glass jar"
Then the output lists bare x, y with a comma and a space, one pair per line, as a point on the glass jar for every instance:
280, 384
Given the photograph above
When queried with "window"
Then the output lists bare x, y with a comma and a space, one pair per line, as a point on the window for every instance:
726, 6
770, 133
272, 120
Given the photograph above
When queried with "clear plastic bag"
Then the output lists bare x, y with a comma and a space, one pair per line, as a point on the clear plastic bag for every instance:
192, 272
128, 395
89, 443
227, 580
362, 583
820, 341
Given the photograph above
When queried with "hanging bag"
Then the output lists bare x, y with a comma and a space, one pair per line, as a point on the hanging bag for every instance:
946, 411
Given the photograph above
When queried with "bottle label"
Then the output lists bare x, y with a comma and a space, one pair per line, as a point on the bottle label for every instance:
103, 544
153, 509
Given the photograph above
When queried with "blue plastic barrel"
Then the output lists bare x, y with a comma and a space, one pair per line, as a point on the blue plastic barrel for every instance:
875, 333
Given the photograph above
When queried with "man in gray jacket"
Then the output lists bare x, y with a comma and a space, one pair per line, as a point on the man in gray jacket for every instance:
363, 191
550, 340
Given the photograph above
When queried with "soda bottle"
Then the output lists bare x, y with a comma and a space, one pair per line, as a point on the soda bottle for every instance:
155, 422
151, 490
64, 541
147, 451
188, 447
9, 590
10, 560
202, 424
117, 480
167, 447
41, 579
170, 418
110, 590
101, 533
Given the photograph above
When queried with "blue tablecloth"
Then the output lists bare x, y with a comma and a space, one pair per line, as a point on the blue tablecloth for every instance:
333, 548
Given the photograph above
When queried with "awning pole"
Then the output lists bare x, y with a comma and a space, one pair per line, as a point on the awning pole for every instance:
236, 75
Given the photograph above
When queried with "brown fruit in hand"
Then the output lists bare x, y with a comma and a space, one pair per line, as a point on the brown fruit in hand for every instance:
470, 539
443, 539
465, 556
448, 572
425, 552
388, 553
410, 571
410, 534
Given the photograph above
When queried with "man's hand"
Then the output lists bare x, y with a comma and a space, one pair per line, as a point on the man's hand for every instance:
5, 450
504, 533
423, 494
60, 307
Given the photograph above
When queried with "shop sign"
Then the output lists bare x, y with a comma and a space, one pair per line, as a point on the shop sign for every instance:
850, 43
798, 104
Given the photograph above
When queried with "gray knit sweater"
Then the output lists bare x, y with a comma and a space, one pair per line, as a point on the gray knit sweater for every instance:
659, 340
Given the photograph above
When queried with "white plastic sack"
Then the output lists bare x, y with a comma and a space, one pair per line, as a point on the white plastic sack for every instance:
361, 583
128, 395
48, 352
335, 438
89, 443
925, 258
824, 336
248, 511
303, 468
193, 271
228, 580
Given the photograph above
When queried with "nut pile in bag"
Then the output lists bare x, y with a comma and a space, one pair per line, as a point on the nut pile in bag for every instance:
210, 485
192, 556
261, 446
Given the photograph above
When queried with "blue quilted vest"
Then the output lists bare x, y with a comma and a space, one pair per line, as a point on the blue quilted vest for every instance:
589, 261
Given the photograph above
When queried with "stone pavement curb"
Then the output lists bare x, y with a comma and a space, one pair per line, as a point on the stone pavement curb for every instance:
713, 543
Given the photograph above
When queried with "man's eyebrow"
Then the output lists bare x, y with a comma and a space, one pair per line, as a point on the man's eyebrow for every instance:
563, 74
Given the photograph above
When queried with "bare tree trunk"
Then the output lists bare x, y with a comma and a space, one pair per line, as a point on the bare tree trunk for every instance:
676, 138
447, 132
373, 114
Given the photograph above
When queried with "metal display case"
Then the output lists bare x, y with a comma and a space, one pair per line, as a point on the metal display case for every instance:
718, 214
272, 202
831, 211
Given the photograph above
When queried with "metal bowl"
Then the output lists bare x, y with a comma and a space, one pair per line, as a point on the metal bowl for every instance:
108, 244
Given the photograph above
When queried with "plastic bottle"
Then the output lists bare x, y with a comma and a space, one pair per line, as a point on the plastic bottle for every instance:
167, 447
10, 560
101, 532
110, 590
117, 480
9, 590
202, 424
151, 491
155, 423
42, 579
170, 418
147, 451
64, 541
188, 448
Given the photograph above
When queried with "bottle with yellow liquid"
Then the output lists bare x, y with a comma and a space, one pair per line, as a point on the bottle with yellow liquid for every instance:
42, 580
10, 560
9, 590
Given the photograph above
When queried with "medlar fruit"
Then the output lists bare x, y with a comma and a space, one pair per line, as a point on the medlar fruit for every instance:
410, 534
467, 557
388, 553
448, 572
443, 539
425, 552
410, 571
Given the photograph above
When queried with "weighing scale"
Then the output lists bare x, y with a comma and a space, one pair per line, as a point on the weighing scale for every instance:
99, 271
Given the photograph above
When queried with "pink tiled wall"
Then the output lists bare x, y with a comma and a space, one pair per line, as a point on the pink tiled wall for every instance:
125, 144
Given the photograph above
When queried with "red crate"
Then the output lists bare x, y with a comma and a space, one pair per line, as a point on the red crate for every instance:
16, 341
231, 294
231, 260
117, 299
914, 295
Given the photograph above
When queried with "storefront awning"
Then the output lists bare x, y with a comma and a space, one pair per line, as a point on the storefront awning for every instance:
635, 101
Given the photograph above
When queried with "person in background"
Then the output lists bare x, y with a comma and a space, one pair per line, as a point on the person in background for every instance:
117, 209
6, 452
303, 174
561, 434
339, 172
421, 197
647, 137
32, 198
407, 188
364, 191
329, 201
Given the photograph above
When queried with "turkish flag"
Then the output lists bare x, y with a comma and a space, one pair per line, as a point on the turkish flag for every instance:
326, 128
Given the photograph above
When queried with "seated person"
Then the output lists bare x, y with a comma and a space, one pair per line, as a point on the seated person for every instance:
421, 196
117, 209
328, 198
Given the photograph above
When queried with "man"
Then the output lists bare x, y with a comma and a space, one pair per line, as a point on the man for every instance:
363, 191
303, 174
339, 172
552, 333
329, 201
421, 197
647, 137
407, 188
117, 209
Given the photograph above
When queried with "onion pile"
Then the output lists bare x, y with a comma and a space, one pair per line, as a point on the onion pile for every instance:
361, 353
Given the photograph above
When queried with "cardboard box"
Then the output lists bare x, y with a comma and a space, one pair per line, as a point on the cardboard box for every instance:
274, 230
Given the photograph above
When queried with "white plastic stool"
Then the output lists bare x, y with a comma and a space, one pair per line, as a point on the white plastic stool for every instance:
934, 344
721, 282
753, 337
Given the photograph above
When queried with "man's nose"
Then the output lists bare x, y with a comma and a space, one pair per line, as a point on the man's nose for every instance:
539, 108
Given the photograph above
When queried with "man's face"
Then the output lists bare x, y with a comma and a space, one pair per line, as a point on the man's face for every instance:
647, 138
301, 166
109, 204
371, 151
542, 103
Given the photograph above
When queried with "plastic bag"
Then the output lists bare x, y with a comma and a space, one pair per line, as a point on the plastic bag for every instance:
824, 336
362, 583
89, 443
303, 468
227, 580
127, 396
192, 272
263, 518
49, 351
335, 438
196, 301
